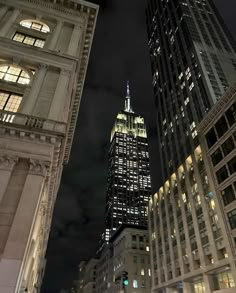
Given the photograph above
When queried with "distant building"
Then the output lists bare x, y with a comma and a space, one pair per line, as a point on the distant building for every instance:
87, 276
192, 218
129, 182
44, 52
128, 251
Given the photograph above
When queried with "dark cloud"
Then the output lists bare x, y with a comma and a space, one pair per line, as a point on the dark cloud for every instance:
119, 53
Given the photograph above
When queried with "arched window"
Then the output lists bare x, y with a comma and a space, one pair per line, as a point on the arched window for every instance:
35, 25
14, 73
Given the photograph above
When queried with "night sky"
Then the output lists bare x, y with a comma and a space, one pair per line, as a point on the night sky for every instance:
119, 53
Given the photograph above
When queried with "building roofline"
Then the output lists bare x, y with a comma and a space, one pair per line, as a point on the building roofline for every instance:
213, 115
126, 226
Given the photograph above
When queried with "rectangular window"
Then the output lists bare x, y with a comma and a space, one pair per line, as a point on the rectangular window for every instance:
216, 157
211, 137
9, 101
221, 126
231, 114
225, 280
232, 165
228, 195
232, 219
29, 40
228, 146
222, 174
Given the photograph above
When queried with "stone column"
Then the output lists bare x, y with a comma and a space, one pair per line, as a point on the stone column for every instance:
209, 283
35, 89
188, 288
55, 35
12, 259
74, 41
56, 109
6, 165
10, 21
3, 11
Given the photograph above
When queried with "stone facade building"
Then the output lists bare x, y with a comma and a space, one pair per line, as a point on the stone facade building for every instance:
128, 251
44, 52
192, 216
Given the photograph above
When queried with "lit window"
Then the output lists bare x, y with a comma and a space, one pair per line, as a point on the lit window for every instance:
142, 272
14, 74
9, 102
147, 248
35, 25
29, 40
225, 280
135, 284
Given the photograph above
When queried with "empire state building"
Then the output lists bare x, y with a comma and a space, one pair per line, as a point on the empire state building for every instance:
129, 183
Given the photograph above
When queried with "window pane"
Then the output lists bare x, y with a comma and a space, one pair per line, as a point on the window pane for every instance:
231, 114
14, 74
232, 219
228, 146
3, 99
228, 195
221, 126
222, 174
39, 26
216, 157
13, 103
211, 138
29, 41
232, 165
39, 43
18, 37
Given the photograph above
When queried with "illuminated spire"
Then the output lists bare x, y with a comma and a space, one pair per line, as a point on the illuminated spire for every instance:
127, 100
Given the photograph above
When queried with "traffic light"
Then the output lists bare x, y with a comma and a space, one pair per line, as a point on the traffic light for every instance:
125, 279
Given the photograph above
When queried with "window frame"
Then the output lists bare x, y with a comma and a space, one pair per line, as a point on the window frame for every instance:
23, 69
47, 29
29, 36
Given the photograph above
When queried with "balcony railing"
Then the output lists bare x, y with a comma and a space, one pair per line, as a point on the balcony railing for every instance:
31, 122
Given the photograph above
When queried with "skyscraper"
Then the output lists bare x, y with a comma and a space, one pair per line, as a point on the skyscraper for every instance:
193, 62
44, 53
129, 183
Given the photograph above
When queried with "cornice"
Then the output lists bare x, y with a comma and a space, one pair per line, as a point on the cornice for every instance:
217, 110
84, 58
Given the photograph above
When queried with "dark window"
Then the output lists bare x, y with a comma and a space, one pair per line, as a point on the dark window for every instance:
228, 195
232, 165
231, 114
222, 174
216, 157
221, 126
232, 219
228, 146
211, 137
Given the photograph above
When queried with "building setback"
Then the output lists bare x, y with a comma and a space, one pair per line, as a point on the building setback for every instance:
129, 183
44, 53
193, 62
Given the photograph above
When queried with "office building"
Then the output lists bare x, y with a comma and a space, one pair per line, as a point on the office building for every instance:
193, 62
127, 252
44, 52
192, 216
129, 183
87, 276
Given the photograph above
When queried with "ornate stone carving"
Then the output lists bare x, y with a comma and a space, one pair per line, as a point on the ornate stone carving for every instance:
38, 167
7, 162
